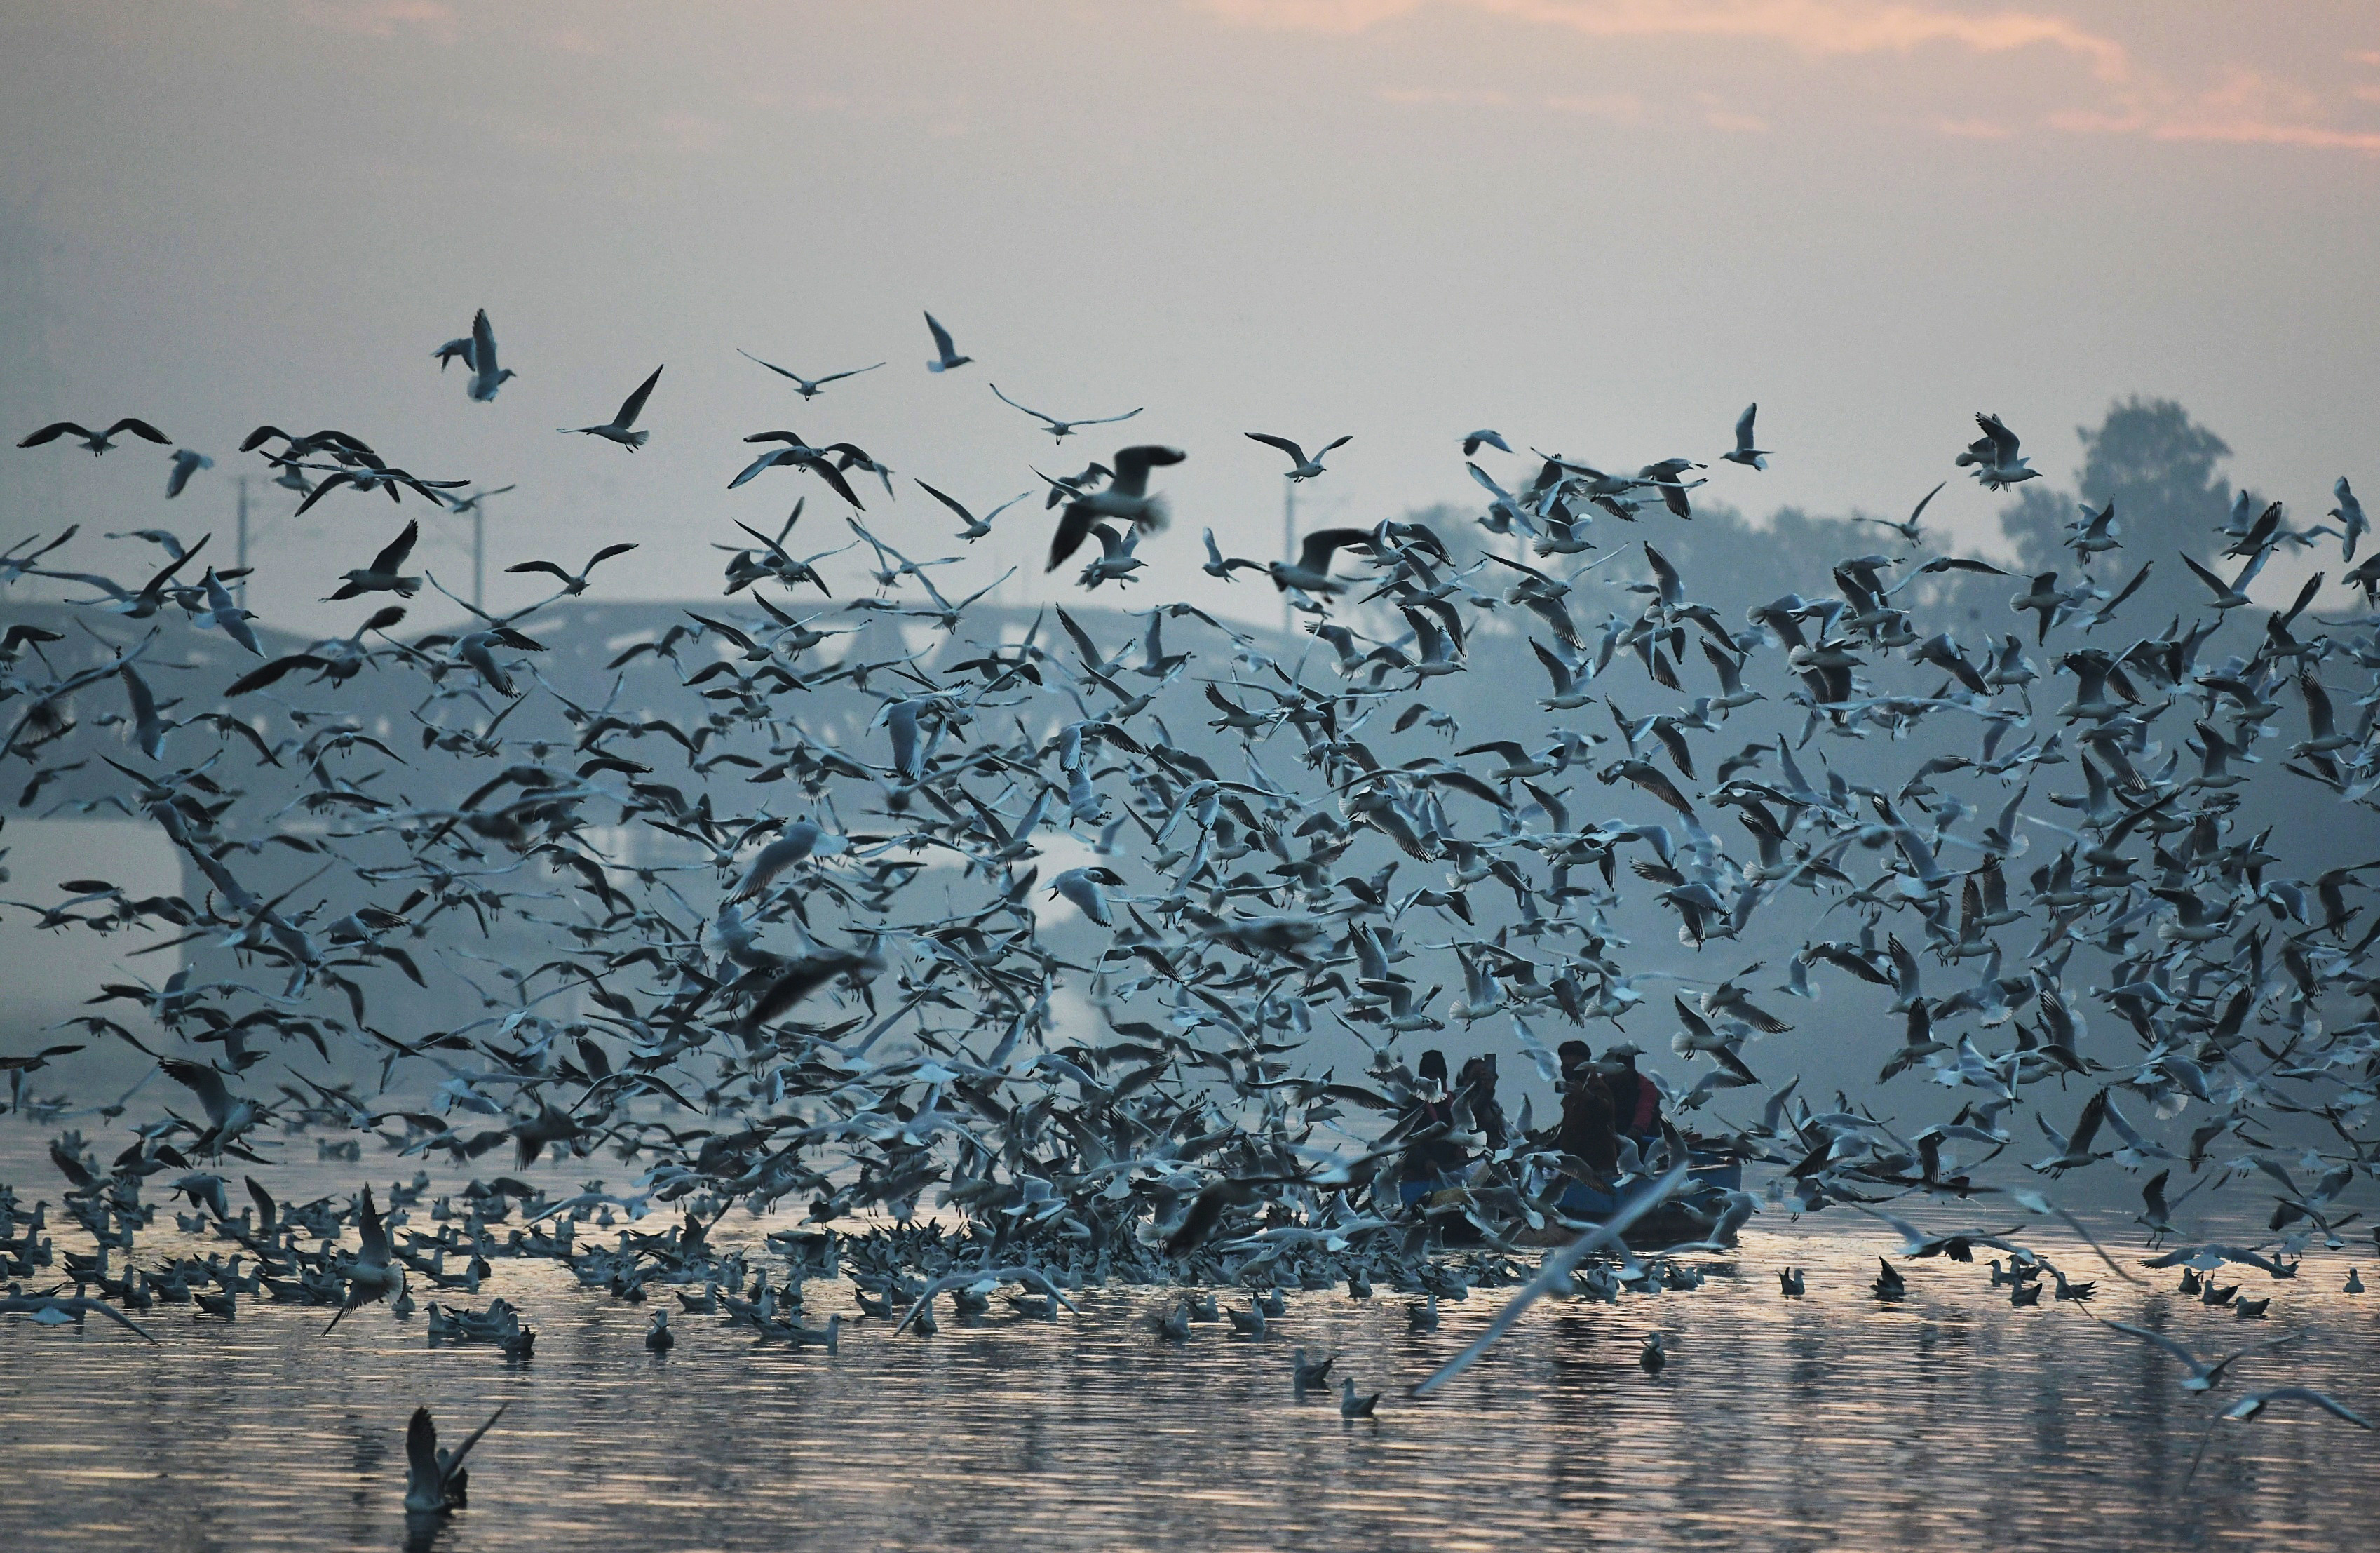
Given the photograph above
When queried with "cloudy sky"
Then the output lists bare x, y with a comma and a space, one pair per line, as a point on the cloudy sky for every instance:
1601, 226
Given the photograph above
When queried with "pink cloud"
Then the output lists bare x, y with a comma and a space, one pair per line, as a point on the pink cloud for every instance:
1814, 27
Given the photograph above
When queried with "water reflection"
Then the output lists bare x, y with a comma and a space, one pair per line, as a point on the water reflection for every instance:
1831, 1420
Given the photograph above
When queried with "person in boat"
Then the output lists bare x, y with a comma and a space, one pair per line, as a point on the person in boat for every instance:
1433, 1159
1586, 1133
1635, 1099
1476, 1091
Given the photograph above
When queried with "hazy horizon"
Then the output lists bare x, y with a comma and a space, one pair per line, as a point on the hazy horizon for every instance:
1600, 227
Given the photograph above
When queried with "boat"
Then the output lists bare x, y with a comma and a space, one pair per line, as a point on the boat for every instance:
1685, 1216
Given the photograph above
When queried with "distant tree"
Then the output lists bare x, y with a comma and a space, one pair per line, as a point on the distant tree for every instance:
2164, 472
2161, 470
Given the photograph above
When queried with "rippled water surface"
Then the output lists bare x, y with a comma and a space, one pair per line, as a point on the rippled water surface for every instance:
1950, 1419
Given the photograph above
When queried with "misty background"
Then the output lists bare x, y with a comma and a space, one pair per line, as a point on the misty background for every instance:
2142, 235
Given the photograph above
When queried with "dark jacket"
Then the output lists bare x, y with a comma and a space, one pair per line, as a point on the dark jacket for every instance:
1586, 1121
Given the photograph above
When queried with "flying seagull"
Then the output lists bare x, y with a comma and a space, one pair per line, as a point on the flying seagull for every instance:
1301, 467
1058, 429
807, 387
616, 429
946, 354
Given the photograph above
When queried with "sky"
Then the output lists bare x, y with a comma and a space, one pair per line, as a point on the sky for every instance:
1601, 227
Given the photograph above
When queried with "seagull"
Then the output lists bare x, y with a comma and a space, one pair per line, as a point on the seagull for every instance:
1993, 455
1087, 888
1790, 1281
98, 442
1908, 529
807, 387
1473, 442
1061, 430
575, 582
1310, 573
657, 1337
2204, 1374
946, 355
2353, 524
616, 429
1654, 1354
435, 1480
1126, 497
2255, 1403
1221, 567
1301, 467
382, 575
486, 377
976, 528
2234, 593
1744, 452
370, 1273
188, 461
1353, 1406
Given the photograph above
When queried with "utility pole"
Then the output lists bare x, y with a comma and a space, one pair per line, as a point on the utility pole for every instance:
243, 541
479, 549
1288, 543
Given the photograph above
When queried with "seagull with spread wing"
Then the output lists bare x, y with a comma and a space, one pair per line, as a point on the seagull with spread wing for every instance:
1300, 466
617, 428
807, 387
1061, 430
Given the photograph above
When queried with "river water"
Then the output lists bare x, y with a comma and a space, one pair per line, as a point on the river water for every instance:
1947, 1420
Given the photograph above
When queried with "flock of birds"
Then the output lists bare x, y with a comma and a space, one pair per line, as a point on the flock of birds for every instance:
842, 992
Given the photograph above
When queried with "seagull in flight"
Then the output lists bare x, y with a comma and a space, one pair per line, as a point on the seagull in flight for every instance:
1744, 452
616, 429
1993, 455
1126, 497
486, 377
1908, 530
1301, 467
575, 583
1058, 429
807, 387
946, 354
98, 442
385, 573
188, 461
976, 528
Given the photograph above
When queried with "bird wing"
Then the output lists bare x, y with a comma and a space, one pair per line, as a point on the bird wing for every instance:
634, 405
483, 344
782, 372
1132, 464
53, 431
138, 428
1049, 419
421, 1435
1915, 512
1296, 453
1662, 569
941, 338
371, 1231
392, 557
469, 1440
1315, 552
2003, 441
